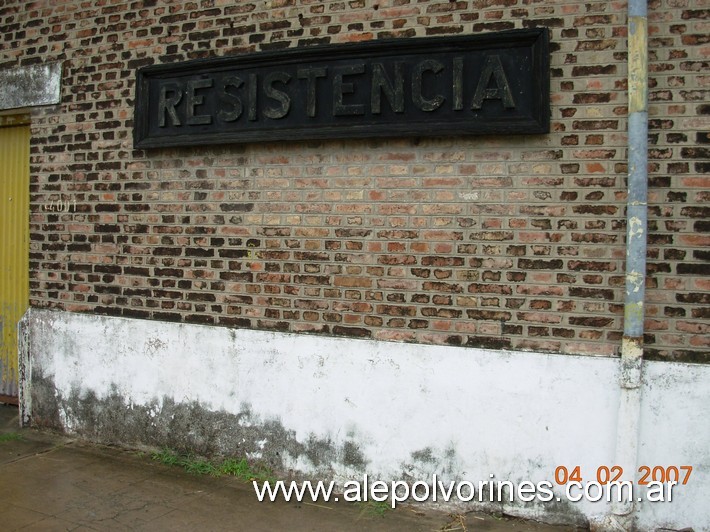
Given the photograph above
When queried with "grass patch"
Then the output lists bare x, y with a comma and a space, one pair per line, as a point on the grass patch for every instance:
376, 508
10, 436
190, 463
245, 471
199, 466
166, 457
241, 469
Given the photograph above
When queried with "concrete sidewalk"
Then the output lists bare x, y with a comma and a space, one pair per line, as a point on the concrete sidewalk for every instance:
50, 482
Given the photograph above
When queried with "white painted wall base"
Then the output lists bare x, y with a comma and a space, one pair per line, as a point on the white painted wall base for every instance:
338, 408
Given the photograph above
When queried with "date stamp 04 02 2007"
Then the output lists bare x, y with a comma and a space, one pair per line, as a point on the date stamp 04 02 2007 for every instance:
605, 474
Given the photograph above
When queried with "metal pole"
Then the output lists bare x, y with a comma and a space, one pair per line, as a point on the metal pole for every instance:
636, 233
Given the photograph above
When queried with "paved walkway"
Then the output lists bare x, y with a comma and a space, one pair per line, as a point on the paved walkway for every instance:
50, 482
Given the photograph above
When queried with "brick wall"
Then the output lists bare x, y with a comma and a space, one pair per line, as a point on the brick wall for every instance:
499, 242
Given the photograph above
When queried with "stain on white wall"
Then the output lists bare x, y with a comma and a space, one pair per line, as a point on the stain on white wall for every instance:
336, 408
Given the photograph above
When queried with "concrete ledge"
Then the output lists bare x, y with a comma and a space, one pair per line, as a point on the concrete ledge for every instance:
335, 408
30, 86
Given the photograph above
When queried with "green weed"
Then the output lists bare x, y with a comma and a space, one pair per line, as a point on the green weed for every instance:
245, 471
376, 508
236, 468
199, 466
10, 436
189, 463
167, 457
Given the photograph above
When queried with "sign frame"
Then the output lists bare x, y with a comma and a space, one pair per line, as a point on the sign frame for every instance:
176, 104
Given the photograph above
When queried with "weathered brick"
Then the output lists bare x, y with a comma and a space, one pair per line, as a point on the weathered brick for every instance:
354, 232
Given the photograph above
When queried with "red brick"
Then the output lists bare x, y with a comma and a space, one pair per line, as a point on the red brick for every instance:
457, 223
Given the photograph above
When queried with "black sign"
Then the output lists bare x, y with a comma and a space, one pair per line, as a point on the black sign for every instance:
495, 83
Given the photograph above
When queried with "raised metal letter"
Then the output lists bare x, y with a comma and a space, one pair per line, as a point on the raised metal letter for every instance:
167, 104
311, 74
231, 99
493, 68
425, 104
394, 91
275, 94
193, 100
340, 88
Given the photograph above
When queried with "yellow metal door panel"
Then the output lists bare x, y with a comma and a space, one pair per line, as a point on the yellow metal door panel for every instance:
14, 247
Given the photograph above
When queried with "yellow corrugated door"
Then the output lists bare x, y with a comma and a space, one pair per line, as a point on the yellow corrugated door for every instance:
14, 248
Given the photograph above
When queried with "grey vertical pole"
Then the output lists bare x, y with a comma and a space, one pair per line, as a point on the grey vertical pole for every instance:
636, 237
